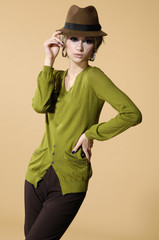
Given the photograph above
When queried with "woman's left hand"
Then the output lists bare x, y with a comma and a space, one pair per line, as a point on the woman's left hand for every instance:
86, 146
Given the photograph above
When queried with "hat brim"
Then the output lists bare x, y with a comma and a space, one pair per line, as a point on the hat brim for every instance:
69, 32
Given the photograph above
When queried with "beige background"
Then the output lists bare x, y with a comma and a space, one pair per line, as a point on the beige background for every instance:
123, 198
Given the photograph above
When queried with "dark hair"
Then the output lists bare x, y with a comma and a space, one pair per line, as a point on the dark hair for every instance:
98, 41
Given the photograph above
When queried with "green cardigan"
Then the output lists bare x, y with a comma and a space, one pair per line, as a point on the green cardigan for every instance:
70, 113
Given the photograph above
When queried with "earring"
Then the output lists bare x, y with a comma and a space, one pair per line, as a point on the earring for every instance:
64, 53
92, 57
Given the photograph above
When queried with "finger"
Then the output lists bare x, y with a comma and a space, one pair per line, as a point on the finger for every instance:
53, 42
76, 147
58, 41
56, 33
57, 36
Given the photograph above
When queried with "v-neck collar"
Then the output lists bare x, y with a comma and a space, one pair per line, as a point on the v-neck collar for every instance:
63, 80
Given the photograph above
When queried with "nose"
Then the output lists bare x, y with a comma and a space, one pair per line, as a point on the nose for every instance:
80, 46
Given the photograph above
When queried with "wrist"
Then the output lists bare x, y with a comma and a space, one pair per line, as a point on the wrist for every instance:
48, 62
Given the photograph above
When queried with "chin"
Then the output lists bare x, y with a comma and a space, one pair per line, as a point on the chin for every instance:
79, 60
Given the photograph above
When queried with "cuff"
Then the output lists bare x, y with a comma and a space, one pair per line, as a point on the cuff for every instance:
88, 135
48, 69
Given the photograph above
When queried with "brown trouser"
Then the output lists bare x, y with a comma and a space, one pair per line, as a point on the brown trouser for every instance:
48, 213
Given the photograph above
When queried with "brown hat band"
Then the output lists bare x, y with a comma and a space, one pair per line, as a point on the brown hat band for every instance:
81, 27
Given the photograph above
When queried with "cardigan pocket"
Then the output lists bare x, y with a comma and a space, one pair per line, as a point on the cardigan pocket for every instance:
77, 168
37, 159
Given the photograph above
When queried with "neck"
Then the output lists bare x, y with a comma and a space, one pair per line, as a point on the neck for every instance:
76, 68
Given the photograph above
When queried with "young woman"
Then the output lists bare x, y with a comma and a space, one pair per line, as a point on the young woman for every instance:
60, 168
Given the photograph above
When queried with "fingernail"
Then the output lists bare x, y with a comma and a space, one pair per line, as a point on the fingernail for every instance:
60, 44
73, 151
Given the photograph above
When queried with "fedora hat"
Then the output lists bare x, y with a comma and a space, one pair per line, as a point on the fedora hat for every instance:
82, 22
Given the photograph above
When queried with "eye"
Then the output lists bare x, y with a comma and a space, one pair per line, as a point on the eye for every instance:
73, 39
89, 40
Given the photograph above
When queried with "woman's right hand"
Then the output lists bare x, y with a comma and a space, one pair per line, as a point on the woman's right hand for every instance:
52, 47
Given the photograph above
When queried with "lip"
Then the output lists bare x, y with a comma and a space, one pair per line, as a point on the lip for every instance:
79, 55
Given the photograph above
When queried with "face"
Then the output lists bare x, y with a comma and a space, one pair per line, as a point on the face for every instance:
79, 49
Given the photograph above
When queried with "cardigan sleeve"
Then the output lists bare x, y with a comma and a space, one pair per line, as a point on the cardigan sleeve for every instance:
128, 113
45, 86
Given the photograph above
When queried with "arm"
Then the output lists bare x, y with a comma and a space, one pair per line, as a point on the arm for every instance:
45, 86
128, 114
45, 81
